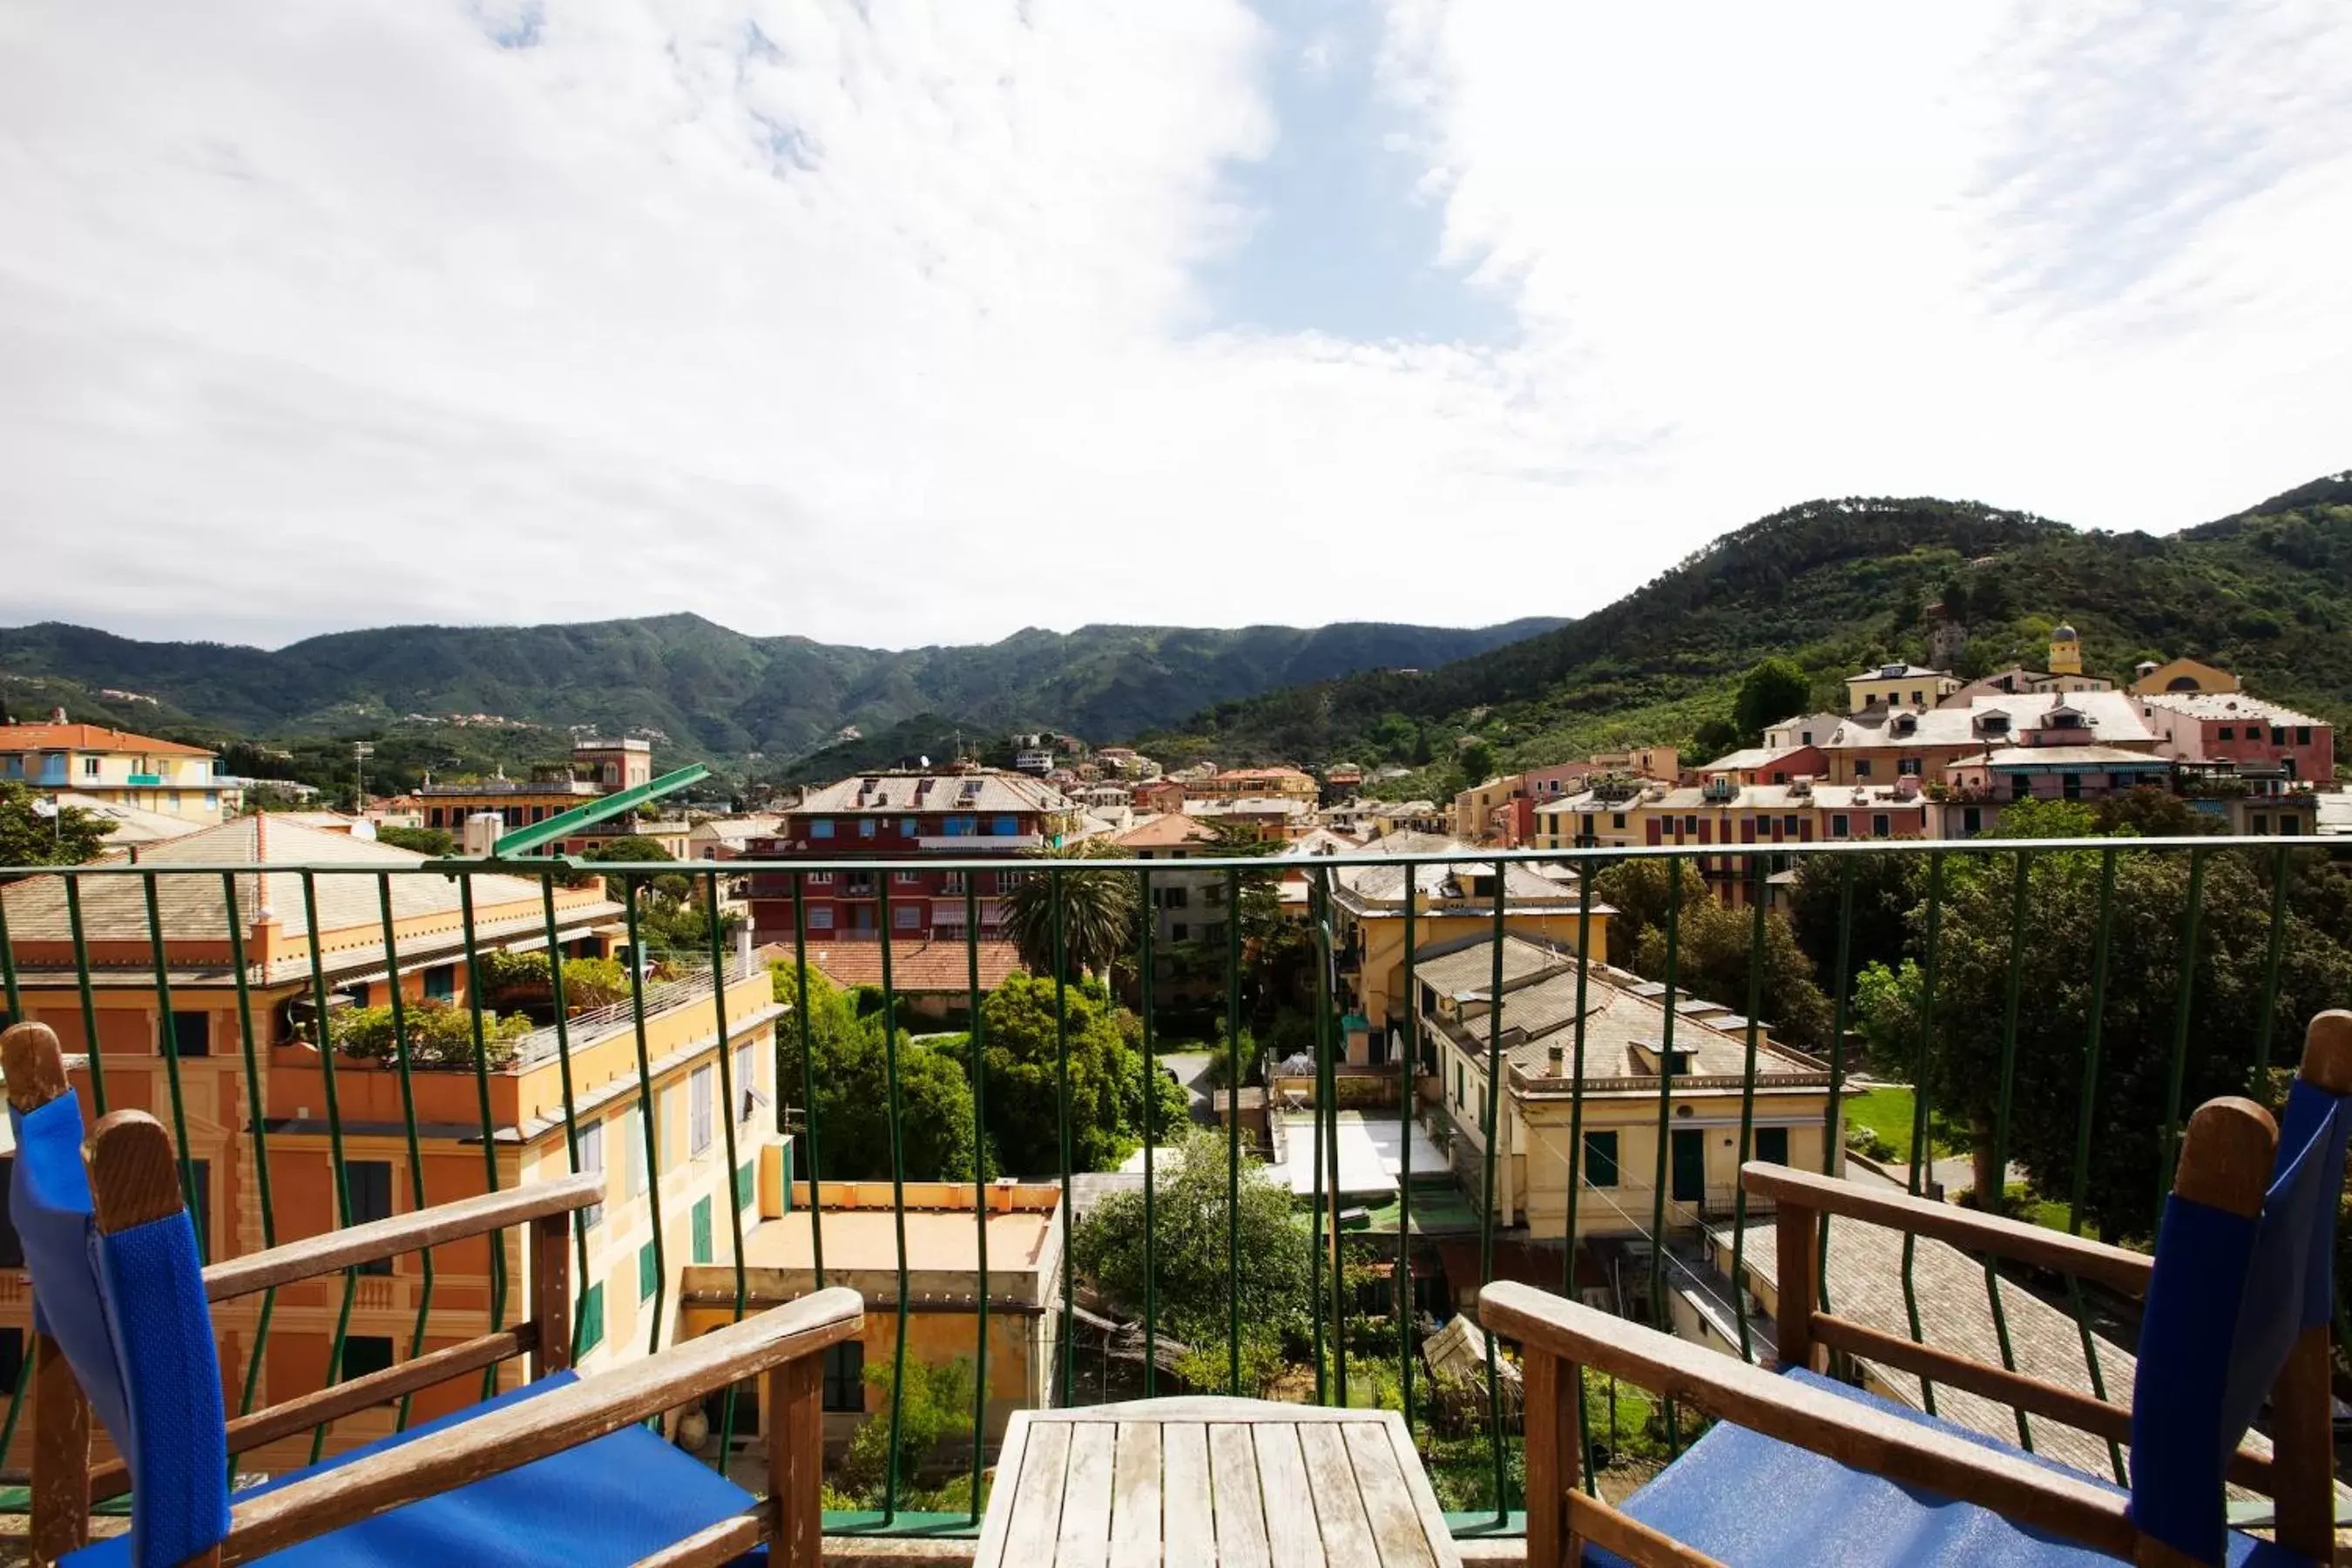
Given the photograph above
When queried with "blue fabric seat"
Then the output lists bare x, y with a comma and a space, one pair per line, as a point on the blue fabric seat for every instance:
2227, 1298
130, 1311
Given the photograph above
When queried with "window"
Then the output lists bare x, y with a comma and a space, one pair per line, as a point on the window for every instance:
2289, 826
1005, 827
1458, 1094
698, 1111
820, 879
634, 1164
2278, 735
1690, 824
1180, 932
1790, 827
907, 878
845, 1376
2226, 733
648, 1272
441, 983
591, 1158
1841, 825
2303, 734
89, 767
821, 919
820, 827
369, 1182
1972, 821
701, 1217
12, 1246
908, 917
1178, 897
591, 1317
864, 827
1862, 767
1616, 819
1908, 767
2261, 822
364, 1353
1600, 1159
191, 1033
665, 1123
1879, 826
2071, 785
951, 882
1772, 1145
746, 1082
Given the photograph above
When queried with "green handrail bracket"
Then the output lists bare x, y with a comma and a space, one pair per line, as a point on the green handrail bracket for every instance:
524, 840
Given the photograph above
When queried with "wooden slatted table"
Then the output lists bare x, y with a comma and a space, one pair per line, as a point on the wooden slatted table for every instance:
1186, 1483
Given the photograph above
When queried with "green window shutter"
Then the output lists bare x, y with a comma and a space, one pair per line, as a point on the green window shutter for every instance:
648, 1272
702, 1253
1600, 1159
592, 1319
743, 1185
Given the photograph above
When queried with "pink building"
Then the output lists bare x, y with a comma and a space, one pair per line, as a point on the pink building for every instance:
2232, 727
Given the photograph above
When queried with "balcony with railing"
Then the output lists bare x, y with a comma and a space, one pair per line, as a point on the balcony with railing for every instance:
1037, 1215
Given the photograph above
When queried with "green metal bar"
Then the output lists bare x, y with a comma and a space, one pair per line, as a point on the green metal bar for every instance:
1661, 1319
1066, 1363
1233, 1132
417, 1198
1150, 1137
1576, 1149
334, 1141
168, 1040
980, 1182
490, 1130
1748, 1104
1408, 1063
571, 1108
524, 840
651, 1119
726, 1131
1923, 1149
2078, 1188
88, 1001
1326, 1194
2269, 1025
253, 1113
808, 1069
15, 1011
1490, 1118
1998, 1200
2170, 1144
1335, 1041
1833, 1121
899, 1197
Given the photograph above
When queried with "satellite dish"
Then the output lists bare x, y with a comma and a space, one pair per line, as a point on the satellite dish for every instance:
926, 762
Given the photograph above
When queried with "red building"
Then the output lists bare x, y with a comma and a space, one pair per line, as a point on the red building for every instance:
2232, 727
964, 816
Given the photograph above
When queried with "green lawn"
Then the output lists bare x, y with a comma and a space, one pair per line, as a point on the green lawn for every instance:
1888, 1111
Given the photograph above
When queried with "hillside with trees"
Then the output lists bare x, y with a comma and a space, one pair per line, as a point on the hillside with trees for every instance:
1832, 587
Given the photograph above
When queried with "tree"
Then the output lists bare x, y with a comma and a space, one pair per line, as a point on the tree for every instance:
1023, 1057
434, 841
1715, 737
27, 837
1191, 1249
1477, 759
1420, 752
1886, 888
625, 847
440, 1035
2148, 812
851, 1114
1098, 912
1775, 689
1711, 947
935, 1403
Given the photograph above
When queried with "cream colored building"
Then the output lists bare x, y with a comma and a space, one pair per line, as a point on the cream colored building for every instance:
1899, 686
2186, 675
119, 768
1631, 1048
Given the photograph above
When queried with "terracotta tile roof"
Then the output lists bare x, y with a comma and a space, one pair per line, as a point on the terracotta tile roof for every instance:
1168, 830
928, 965
974, 792
89, 738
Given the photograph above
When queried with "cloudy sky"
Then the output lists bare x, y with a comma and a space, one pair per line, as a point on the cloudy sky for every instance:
899, 324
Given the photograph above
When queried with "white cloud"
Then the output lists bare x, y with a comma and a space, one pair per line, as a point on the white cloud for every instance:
883, 326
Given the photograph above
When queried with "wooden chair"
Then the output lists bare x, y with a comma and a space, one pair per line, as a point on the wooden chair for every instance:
1805, 1469
561, 1471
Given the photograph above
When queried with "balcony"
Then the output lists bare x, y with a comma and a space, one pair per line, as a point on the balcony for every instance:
983, 843
145, 781
2030, 1014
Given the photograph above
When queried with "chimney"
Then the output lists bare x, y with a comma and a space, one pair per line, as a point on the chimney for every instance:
56, 715
1555, 1060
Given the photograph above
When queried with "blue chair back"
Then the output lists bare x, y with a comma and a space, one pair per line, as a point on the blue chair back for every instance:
2229, 1295
129, 1311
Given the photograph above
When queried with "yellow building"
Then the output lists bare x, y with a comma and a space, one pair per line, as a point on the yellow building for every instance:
119, 768
1626, 1052
1244, 784
858, 1227
338, 922
2065, 650
2181, 675
1899, 686
597, 768
1452, 904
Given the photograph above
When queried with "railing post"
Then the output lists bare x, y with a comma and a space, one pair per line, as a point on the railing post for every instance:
1554, 1457
1797, 1240
550, 1293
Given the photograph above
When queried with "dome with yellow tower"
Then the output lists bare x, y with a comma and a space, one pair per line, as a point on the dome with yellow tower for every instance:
2065, 650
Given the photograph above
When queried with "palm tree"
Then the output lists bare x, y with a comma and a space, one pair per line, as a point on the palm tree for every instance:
1097, 908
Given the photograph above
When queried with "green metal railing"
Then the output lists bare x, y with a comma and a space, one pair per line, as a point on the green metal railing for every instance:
2269, 966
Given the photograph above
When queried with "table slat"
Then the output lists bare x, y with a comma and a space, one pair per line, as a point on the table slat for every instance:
1240, 1516
990, 1550
1346, 1528
1403, 1540
1423, 1496
1085, 1538
1135, 1520
1038, 1496
1292, 1538
1191, 1530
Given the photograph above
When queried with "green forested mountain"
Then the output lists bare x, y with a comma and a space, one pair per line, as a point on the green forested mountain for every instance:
1837, 585
705, 690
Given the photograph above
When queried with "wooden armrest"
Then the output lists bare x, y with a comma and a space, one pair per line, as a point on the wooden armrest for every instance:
546, 1424
381, 1239
1848, 1431
1965, 1228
